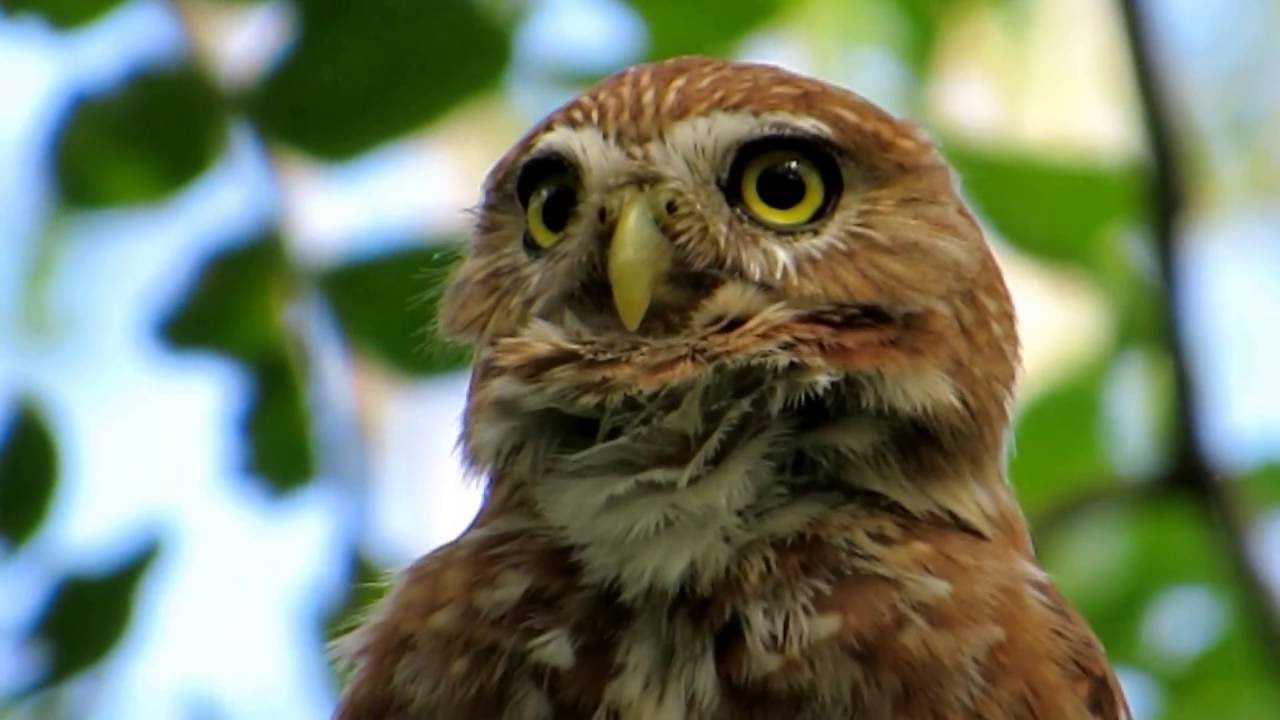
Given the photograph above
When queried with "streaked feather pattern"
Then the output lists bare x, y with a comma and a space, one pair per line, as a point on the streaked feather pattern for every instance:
783, 497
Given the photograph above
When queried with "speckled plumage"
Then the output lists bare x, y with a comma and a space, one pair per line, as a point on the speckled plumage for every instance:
782, 495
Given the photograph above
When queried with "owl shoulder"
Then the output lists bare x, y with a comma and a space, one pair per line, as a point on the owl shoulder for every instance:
955, 620
475, 630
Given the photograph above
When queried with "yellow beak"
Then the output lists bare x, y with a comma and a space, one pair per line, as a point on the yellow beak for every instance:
639, 256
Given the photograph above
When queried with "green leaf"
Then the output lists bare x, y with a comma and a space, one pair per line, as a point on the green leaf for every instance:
363, 73
677, 27
236, 303
28, 474
88, 614
142, 142
278, 426
387, 307
236, 308
1058, 452
1054, 209
64, 13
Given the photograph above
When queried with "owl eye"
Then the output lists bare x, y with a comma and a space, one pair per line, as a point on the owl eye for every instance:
547, 190
548, 210
784, 186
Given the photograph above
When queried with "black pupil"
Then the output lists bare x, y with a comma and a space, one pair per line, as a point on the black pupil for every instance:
557, 207
781, 185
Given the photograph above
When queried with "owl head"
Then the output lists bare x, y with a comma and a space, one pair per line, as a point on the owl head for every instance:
693, 221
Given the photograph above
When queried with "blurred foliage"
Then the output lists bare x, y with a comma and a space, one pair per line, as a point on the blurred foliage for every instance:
923, 20
88, 614
1058, 452
387, 307
1052, 209
236, 308
1262, 487
63, 13
359, 75
678, 27
278, 424
140, 143
364, 72
28, 474
1123, 557
367, 585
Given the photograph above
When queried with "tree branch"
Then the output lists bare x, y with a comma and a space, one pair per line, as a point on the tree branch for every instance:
1190, 470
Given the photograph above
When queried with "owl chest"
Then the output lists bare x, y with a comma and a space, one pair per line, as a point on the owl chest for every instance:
669, 495
672, 666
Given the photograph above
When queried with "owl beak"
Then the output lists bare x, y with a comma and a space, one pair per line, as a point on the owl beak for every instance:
639, 256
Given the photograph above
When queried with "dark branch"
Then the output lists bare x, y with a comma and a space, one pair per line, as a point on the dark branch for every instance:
1190, 470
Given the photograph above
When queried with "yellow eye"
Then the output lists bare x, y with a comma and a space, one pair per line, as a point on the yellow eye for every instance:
549, 207
784, 188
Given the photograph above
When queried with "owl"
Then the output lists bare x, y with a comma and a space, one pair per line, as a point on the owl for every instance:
743, 367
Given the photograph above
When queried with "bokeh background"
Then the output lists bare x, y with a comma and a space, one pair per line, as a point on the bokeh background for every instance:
223, 414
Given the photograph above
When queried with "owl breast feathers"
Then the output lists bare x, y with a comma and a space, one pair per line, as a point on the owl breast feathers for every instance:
743, 368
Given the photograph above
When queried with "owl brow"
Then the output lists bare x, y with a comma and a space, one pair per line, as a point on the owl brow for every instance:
787, 133
781, 123
784, 135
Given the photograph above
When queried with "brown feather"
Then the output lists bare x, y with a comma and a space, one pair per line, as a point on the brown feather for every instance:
783, 496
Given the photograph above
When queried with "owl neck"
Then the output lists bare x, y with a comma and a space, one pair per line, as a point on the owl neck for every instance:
664, 493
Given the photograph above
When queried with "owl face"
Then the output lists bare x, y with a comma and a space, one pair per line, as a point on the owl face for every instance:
631, 236
676, 195
692, 262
